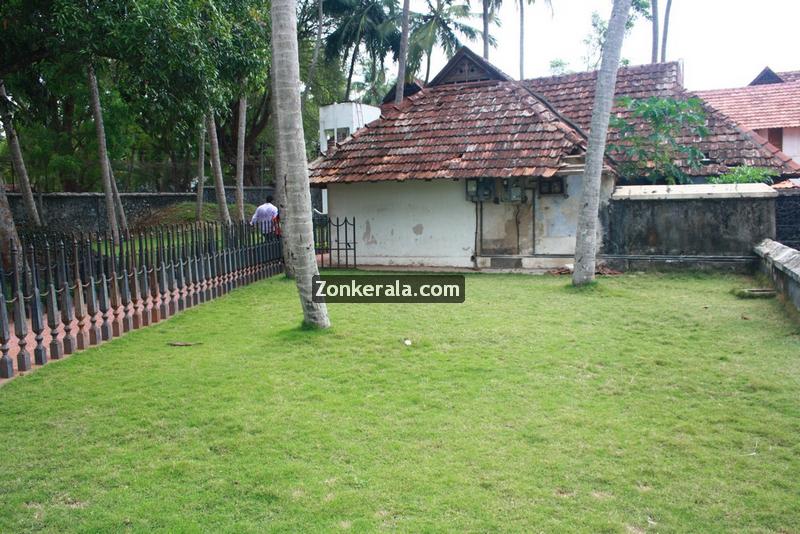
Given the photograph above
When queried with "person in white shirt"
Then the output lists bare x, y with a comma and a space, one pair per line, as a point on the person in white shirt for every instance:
265, 216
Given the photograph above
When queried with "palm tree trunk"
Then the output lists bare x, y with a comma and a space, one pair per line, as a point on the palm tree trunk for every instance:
521, 39
586, 238
240, 158
664, 33
120, 209
16, 158
8, 230
312, 69
105, 168
428, 67
299, 230
654, 20
201, 173
280, 187
486, 29
216, 167
401, 63
350, 74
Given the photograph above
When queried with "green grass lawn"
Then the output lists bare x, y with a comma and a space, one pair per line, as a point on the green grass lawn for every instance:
648, 403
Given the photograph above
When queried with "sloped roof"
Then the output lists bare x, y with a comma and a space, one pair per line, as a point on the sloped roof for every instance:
759, 106
768, 76
726, 145
472, 130
499, 127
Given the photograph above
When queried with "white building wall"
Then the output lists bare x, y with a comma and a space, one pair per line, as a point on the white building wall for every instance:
408, 223
791, 143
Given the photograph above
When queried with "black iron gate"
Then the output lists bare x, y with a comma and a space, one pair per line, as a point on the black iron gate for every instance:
335, 242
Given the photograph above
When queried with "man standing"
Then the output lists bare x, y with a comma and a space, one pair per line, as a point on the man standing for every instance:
266, 216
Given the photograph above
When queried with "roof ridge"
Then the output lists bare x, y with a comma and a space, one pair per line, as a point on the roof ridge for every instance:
622, 70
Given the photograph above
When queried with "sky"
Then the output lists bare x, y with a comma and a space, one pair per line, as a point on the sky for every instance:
722, 43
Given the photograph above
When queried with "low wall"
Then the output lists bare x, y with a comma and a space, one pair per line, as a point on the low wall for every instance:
787, 217
688, 226
86, 212
782, 265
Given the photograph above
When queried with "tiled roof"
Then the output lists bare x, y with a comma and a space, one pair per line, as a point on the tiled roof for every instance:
790, 75
480, 129
499, 128
775, 105
726, 145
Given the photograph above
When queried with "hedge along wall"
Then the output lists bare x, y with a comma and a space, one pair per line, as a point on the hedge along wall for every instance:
782, 265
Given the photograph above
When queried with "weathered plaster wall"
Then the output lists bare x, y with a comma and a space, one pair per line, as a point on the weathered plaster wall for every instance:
782, 265
408, 223
694, 227
556, 216
507, 228
787, 218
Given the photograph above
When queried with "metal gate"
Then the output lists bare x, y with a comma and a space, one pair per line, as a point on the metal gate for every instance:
335, 242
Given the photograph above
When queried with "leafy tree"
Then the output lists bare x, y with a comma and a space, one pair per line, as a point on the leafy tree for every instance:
746, 175
596, 38
559, 66
441, 24
654, 152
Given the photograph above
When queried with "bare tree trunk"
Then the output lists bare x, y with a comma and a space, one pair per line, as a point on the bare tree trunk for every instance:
216, 167
240, 158
350, 73
664, 33
280, 189
486, 29
201, 172
123, 220
105, 168
655, 24
312, 69
8, 230
521, 39
292, 145
16, 158
401, 63
586, 238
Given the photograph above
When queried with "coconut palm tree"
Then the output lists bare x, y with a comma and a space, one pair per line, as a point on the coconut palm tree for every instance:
586, 235
522, 32
401, 61
489, 16
367, 23
242, 126
441, 24
17, 160
654, 24
665, 31
216, 168
294, 167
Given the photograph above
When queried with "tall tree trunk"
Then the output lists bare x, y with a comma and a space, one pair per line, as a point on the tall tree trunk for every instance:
120, 209
428, 67
350, 73
521, 39
105, 168
401, 63
201, 172
312, 69
299, 229
486, 29
240, 158
8, 230
586, 238
655, 24
16, 158
280, 189
665, 32
216, 167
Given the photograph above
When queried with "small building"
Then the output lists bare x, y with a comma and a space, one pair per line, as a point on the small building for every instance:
478, 170
769, 106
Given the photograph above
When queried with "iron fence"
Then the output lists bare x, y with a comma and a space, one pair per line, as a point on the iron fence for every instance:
335, 241
66, 292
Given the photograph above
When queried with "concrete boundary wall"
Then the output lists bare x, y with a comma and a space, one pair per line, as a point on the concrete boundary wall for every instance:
782, 265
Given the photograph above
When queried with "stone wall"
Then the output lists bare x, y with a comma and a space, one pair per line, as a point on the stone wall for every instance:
86, 212
787, 218
782, 265
252, 195
688, 228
